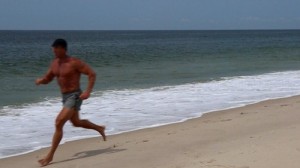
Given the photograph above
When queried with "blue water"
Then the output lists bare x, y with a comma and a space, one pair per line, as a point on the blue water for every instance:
145, 78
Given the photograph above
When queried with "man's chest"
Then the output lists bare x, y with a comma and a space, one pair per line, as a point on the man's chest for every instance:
63, 70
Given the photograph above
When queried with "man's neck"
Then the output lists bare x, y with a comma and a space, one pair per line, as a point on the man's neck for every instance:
63, 58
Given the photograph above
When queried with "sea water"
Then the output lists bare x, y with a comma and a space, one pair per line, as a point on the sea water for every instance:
144, 78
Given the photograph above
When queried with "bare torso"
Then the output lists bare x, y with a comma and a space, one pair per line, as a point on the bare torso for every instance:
67, 74
67, 71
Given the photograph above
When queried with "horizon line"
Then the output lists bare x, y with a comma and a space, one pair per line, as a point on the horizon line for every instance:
145, 29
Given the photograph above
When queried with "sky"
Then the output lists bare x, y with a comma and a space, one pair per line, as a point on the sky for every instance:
149, 14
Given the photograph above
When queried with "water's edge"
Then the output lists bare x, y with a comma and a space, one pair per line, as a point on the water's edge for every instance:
155, 125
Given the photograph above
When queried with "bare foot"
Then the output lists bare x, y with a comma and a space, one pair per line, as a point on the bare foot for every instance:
101, 130
45, 161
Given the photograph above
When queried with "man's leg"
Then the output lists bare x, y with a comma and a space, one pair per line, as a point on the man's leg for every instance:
77, 122
60, 121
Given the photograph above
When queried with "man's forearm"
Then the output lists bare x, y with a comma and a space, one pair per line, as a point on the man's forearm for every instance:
92, 79
44, 80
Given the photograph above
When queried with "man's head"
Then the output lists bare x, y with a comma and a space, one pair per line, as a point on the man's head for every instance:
60, 47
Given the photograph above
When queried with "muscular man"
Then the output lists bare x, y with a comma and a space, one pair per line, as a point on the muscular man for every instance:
67, 71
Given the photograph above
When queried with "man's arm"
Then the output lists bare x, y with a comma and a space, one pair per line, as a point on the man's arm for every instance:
87, 70
46, 79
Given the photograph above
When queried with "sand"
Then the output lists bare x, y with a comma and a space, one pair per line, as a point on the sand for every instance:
262, 135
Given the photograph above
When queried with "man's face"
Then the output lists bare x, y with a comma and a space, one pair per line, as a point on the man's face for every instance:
59, 52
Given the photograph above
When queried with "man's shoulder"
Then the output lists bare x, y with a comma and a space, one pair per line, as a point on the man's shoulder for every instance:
54, 61
74, 59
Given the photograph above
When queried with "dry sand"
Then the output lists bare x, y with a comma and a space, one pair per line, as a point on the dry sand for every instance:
262, 135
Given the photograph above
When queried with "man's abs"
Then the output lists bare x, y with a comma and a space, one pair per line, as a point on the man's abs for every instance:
68, 85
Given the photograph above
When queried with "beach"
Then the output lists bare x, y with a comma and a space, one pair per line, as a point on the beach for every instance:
173, 75
174, 84
260, 135
146, 79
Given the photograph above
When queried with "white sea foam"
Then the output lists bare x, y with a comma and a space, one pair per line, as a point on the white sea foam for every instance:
29, 127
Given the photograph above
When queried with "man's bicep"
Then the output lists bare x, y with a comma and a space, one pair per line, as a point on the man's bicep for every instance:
49, 75
85, 68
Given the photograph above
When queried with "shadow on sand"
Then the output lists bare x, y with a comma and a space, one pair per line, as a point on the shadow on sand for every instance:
90, 153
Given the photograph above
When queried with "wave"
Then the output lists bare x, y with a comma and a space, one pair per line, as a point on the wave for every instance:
30, 126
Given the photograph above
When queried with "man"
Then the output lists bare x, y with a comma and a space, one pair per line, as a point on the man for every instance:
67, 71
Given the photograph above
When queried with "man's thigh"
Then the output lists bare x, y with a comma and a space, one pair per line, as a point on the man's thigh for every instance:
65, 115
75, 117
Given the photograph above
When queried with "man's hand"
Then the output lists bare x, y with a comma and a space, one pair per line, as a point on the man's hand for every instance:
38, 81
84, 95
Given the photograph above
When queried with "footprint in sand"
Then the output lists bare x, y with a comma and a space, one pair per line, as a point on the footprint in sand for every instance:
143, 141
224, 166
209, 163
224, 120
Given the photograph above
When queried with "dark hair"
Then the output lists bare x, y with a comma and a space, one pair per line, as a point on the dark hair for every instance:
60, 43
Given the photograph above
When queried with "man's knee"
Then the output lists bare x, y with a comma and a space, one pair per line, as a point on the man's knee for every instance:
63, 117
59, 122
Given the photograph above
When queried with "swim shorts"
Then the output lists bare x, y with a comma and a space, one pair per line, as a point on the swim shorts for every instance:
72, 100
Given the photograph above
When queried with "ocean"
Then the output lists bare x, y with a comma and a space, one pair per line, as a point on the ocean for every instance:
144, 78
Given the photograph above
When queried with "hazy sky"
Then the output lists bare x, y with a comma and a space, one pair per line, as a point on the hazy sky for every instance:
149, 14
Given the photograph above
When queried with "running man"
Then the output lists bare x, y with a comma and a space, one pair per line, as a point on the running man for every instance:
67, 71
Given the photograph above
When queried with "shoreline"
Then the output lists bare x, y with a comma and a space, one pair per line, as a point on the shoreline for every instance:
120, 138
152, 126
163, 105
